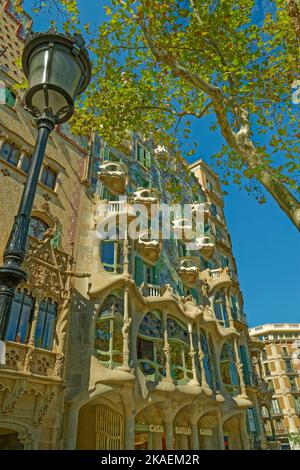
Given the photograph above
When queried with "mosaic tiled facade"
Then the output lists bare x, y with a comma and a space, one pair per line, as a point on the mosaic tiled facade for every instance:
135, 344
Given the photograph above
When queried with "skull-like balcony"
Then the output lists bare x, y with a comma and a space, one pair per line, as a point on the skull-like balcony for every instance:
148, 248
114, 176
189, 270
183, 229
146, 196
201, 210
206, 246
216, 278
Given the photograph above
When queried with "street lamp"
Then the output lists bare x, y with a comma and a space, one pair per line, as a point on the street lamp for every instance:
58, 70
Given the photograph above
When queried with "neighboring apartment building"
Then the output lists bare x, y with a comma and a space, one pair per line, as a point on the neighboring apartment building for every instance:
118, 343
280, 367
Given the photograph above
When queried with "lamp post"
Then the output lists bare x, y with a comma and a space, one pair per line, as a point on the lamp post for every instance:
58, 70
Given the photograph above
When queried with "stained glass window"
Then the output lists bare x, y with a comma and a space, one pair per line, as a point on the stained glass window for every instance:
44, 335
20, 317
37, 228
151, 357
178, 338
108, 332
228, 369
220, 309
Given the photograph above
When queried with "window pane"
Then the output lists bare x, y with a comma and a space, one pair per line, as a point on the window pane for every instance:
108, 253
14, 318
49, 328
25, 163
5, 151
41, 324
37, 228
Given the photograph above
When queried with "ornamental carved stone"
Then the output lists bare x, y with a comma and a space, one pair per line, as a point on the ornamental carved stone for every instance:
12, 399
60, 366
44, 405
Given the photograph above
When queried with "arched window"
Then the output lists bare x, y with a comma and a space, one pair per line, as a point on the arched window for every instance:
108, 334
20, 317
228, 369
150, 343
206, 359
45, 329
220, 308
181, 362
38, 228
112, 256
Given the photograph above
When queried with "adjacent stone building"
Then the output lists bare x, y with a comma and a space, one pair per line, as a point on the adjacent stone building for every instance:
121, 343
279, 366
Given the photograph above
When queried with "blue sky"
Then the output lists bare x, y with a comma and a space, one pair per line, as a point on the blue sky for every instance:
265, 243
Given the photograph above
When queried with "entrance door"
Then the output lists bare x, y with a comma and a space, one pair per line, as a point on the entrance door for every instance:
109, 429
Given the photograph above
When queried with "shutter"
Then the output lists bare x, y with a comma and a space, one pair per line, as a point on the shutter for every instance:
155, 276
148, 159
138, 271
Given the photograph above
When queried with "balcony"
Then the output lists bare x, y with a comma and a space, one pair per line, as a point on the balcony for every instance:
149, 249
239, 316
150, 290
114, 176
216, 278
183, 229
189, 270
201, 211
295, 390
291, 371
206, 246
21, 358
146, 196
276, 413
223, 242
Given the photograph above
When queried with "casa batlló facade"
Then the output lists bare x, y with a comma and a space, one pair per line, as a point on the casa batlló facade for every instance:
121, 342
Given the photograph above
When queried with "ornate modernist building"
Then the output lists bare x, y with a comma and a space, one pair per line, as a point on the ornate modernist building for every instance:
280, 368
118, 343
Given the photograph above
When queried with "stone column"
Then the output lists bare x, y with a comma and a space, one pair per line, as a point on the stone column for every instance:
195, 437
129, 430
228, 308
239, 367
125, 332
169, 435
243, 433
192, 355
166, 348
31, 343
71, 428
220, 434
201, 359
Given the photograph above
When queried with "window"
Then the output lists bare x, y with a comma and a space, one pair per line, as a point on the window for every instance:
182, 250
37, 228
267, 369
49, 177
150, 343
142, 181
246, 364
224, 262
20, 317
10, 153
143, 156
228, 369
213, 210
145, 273
220, 308
7, 96
25, 163
110, 156
44, 335
275, 406
297, 404
108, 333
179, 342
112, 256
279, 425
252, 422
288, 365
